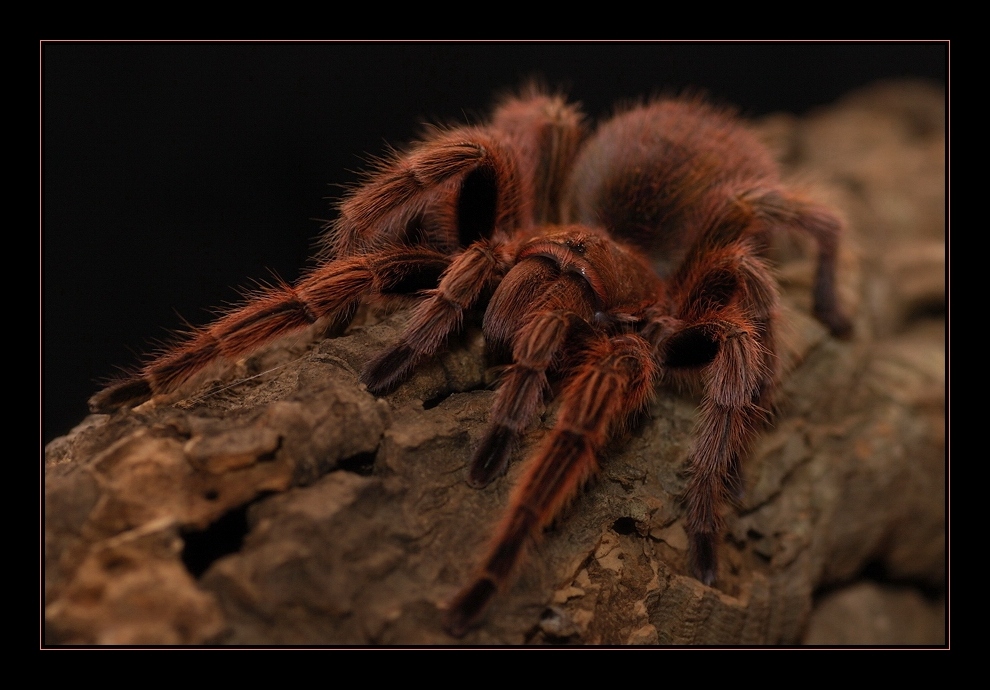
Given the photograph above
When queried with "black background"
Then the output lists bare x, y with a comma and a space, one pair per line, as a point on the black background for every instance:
174, 173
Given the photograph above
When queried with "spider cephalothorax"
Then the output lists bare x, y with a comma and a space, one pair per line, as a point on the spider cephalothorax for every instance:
607, 263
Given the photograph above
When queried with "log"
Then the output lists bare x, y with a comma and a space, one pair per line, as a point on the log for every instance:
274, 501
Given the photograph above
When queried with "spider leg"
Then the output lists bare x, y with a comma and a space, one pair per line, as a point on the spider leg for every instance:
446, 192
727, 312
555, 289
465, 181
820, 223
334, 290
725, 431
520, 392
470, 274
615, 379
468, 180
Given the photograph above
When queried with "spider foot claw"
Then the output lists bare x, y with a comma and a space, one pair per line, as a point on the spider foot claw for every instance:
838, 323
491, 457
388, 370
468, 606
118, 395
703, 559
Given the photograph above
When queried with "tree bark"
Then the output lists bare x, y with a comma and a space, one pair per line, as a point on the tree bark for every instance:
277, 502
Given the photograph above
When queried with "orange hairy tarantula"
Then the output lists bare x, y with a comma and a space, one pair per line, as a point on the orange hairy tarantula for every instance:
610, 262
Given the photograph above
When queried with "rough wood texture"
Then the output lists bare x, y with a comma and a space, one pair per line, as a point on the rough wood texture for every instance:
277, 502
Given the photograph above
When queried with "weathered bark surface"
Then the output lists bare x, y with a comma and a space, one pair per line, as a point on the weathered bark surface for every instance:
324, 516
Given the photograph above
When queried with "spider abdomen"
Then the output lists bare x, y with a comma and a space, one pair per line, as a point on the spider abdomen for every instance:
648, 173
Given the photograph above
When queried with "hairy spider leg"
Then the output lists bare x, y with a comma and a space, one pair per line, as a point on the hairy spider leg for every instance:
333, 291
494, 209
445, 192
553, 290
499, 197
724, 307
470, 275
614, 380
787, 210
466, 181
523, 387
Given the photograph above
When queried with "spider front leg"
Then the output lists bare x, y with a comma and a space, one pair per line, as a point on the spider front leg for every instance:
615, 379
465, 181
564, 283
332, 291
520, 392
471, 274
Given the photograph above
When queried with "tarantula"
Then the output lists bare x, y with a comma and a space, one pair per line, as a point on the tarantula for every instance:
605, 262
